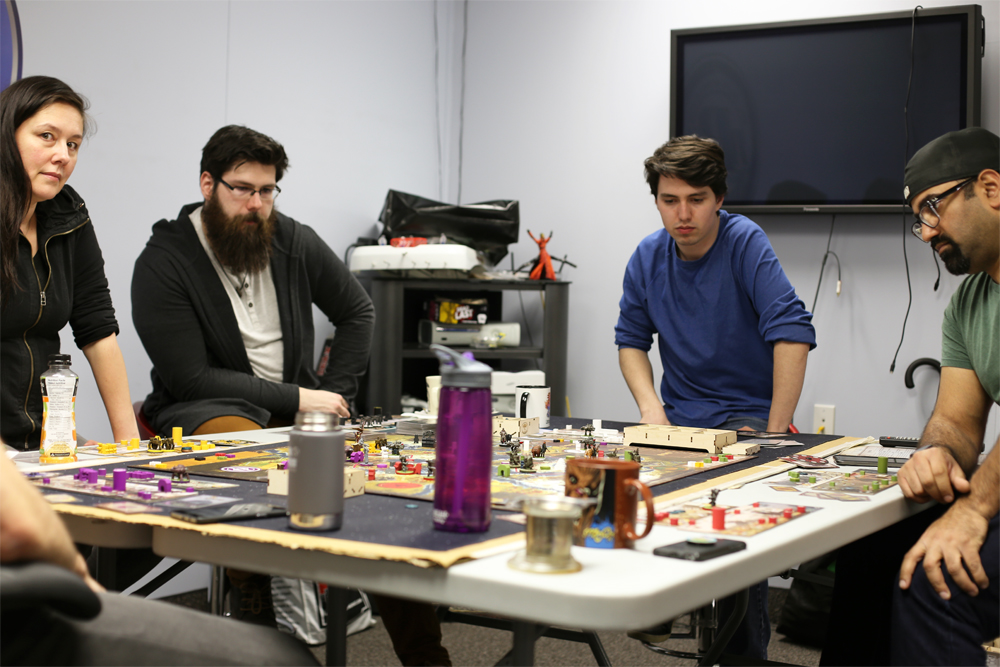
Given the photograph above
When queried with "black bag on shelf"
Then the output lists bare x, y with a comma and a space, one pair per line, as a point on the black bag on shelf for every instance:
805, 615
487, 227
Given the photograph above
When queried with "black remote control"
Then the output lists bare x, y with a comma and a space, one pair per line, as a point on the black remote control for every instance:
897, 441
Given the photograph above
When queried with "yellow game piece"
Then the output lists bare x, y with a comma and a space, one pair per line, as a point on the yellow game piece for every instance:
699, 464
133, 443
178, 435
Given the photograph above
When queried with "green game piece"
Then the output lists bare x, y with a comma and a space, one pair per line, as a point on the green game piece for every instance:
570, 456
812, 479
866, 488
628, 456
503, 470
833, 484
847, 474
708, 459
894, 479
723, 459
883, 465
545, 467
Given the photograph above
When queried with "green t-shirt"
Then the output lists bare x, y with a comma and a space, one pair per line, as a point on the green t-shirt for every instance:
971, 331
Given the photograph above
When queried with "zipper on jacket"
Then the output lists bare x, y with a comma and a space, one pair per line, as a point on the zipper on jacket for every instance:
42, 304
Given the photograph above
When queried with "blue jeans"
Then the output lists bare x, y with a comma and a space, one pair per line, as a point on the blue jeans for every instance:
927, 630
736, 423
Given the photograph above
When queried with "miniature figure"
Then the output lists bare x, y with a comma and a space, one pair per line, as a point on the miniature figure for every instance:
515, 447
179, 473
588, 430
515, 461
636, 456
613, 454
402, 463
505, 437
430, 470
395, 448
590, 453
713, 496
381, 442
527, 463
538, 451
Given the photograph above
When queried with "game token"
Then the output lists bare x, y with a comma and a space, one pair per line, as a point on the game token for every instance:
411, 506
702, 539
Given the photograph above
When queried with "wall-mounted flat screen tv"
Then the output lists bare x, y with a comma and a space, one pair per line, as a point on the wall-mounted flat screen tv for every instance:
810, 113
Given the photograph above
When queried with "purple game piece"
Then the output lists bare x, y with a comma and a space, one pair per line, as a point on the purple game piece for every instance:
92, 477
230, 456
104, 472
145, 495
165, 485
46, 480
190, 489
120, 478
107, 489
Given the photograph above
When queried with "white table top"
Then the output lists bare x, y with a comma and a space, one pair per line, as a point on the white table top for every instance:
617, 589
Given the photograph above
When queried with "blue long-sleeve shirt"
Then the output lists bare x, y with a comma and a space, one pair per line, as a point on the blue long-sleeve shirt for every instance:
717, 319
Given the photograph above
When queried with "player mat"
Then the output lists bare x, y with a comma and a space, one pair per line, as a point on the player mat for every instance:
133, 488
743, 520
854, 486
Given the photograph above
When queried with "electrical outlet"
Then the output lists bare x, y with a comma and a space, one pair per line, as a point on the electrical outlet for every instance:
823, 418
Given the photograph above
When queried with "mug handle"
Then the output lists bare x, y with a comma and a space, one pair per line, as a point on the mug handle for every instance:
524, 404
647, 495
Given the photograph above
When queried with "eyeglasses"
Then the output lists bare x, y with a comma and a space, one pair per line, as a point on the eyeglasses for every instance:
928, 214
267, 193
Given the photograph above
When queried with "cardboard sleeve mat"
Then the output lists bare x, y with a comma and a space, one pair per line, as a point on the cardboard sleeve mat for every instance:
422, 557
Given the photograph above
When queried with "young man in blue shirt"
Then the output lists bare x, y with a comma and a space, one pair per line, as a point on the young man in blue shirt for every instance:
732, 334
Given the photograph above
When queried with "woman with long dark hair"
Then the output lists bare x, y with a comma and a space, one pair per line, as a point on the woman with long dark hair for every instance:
52, 267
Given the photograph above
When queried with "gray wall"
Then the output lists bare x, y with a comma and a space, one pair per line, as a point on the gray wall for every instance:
563, 102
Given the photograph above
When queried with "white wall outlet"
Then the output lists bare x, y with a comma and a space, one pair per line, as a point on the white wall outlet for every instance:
823, 418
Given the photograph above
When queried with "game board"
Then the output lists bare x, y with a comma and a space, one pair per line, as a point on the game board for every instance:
658, 467
244, 464
744, 520
68, 482
91, 452
856, 486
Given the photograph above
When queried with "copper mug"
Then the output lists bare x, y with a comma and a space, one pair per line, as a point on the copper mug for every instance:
615, 486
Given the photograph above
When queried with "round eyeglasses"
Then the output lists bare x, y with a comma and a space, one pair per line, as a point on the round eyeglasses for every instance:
928, 214
267, 193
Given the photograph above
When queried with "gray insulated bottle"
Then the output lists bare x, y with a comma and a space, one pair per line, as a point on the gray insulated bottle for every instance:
316, 472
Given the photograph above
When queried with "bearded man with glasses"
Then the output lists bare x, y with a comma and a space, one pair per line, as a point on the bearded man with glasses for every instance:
934, 579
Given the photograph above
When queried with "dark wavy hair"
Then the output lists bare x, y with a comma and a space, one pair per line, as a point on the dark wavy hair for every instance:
696, 161
233, 145
19, 102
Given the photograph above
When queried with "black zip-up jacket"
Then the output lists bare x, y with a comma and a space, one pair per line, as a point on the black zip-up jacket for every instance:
186, 322
64, 282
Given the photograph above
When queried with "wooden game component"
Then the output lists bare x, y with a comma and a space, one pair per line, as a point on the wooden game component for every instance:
179, 473
503, 470
515, 426
710, 440
354, 482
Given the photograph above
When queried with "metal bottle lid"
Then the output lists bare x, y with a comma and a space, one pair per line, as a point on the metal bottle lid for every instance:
316, 421
59, 359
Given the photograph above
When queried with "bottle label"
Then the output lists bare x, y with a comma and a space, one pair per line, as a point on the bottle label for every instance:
59, 416
440, 516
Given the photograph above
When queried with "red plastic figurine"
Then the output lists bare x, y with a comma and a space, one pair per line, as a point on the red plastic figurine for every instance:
543, 265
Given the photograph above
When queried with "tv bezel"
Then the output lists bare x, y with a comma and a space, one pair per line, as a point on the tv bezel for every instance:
975, 29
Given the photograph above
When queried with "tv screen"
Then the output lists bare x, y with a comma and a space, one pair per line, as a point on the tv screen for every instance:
810, 113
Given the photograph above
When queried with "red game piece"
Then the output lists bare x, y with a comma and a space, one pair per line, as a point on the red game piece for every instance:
787, 513
756, 504
715, 458
718, 518
761, 520
772, 519
690, 522
801, 509
736, 511
674, 521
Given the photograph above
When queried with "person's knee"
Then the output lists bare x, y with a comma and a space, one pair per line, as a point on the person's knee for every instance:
226, 424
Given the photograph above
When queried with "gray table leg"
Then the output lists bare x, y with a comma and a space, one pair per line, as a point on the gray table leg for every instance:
336, 625
525, 635
218, 590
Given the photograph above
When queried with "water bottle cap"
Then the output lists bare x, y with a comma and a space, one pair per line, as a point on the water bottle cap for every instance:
316, 421
462, 370
59, 359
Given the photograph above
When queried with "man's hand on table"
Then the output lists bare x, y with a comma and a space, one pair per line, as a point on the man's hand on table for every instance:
933, 474
953, 541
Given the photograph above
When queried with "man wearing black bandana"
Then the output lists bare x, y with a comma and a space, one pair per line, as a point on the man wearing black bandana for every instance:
926, 591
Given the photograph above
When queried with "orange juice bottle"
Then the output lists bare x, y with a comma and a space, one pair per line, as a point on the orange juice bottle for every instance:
59, 384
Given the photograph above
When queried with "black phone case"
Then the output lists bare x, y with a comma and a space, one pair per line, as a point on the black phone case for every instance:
228, 513
688, 551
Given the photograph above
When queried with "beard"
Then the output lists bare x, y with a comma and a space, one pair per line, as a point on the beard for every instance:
956, 261
242, 243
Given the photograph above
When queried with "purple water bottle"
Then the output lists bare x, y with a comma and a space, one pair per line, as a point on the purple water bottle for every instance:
464, 444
